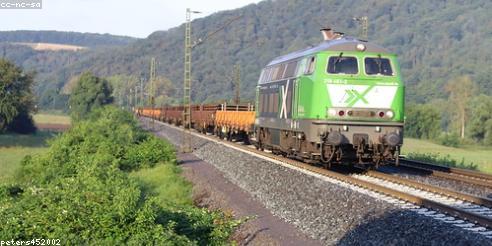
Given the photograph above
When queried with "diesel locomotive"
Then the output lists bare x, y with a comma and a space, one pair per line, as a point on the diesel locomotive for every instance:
341, 101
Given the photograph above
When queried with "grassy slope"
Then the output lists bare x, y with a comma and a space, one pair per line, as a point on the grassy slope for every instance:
472, 154
14, 147
165, 183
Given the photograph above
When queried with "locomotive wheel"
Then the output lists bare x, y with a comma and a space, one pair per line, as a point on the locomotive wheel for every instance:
246, 140
229, 135
260, 146
397, 157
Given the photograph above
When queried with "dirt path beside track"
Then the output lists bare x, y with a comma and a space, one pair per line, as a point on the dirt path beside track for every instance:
213, 191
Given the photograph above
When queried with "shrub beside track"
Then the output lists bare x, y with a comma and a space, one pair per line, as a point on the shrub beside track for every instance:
80, 191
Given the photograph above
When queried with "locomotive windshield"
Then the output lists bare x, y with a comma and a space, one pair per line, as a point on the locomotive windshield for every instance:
342, 65
378, 65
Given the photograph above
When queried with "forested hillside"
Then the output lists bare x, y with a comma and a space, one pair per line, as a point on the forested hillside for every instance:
73, 38
436, 41
46, 62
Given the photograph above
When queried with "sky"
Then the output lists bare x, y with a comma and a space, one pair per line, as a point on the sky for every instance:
137, 18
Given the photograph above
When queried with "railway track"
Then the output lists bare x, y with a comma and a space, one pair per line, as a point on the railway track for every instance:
462, 175
445, 203
441, 202
478, 208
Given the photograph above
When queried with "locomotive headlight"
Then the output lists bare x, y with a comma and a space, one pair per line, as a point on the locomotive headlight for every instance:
378, 129
390, 114
332, 112
360, 47
345, 128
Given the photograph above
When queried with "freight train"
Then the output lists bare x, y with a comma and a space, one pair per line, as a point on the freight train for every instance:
341, 101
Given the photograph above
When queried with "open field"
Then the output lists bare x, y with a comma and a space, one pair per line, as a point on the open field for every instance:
14, 147
44, 118
480, 156
52, 122
51, 46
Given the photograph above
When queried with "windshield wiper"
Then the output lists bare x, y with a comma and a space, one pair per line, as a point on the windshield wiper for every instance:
379, 62
337, 61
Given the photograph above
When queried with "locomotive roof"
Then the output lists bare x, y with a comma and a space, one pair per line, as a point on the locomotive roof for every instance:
341, 44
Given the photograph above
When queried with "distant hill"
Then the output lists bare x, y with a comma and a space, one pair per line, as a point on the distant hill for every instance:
68, 38
435, 40
46, 52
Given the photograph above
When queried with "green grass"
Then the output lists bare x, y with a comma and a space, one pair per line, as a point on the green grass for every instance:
478, 155
165, 183
45, 118
14, 147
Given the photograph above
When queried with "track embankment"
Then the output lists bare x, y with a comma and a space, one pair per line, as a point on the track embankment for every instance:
326, 209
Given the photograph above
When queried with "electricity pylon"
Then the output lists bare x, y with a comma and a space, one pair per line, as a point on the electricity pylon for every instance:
142, 92
137, 104
152, 78
186, 143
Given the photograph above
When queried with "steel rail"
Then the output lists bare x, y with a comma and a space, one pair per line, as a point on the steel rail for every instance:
467, 176
431, 188
454, 170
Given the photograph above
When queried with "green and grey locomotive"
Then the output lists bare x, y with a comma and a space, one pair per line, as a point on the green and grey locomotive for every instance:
340, 100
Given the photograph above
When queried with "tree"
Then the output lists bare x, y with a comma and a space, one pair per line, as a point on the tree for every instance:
122, 84
460, 91
488, 132
164, 90
422, 121
16, 99
481, 114
91, 92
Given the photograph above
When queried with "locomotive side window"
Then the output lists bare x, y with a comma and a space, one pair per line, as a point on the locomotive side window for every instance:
274, 73
262, 103
281, 71
310, 66
269, 74
265, 76
290, 70
378, 65
342, 65
270, 102
262, 75
275, 102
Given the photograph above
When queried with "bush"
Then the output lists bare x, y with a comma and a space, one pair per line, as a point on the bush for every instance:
449, 139
422, 121
441, 160
80, 191
488, 134
22, 123
147, 154
90, 93
16, 99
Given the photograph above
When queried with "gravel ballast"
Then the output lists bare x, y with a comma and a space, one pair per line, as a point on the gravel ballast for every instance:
323, 210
